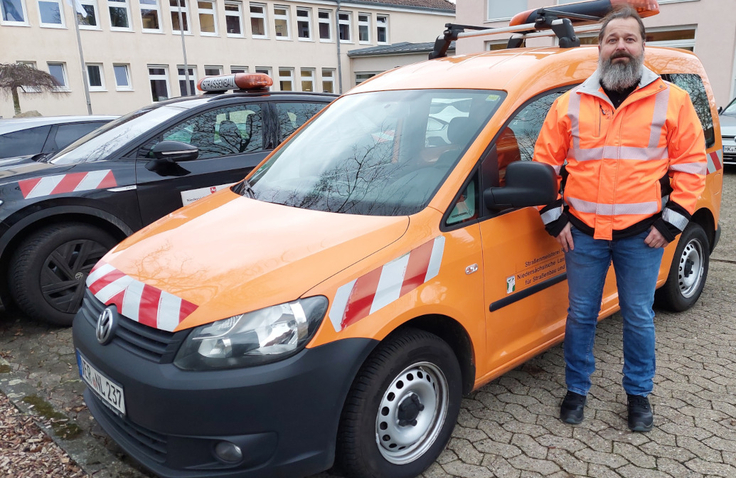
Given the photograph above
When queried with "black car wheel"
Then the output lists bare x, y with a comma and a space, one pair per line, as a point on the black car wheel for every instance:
49, 270
401, 409
688, 272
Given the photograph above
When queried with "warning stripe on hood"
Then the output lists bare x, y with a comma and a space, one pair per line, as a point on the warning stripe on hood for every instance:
137, 301
371, 292
67, 183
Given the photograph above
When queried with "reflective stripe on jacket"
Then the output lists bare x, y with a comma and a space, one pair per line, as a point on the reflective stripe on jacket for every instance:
616, 157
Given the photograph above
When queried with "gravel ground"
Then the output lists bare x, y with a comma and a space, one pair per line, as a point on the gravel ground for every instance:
27, 451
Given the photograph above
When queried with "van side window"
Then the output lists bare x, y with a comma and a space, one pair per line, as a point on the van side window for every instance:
693, 84
466, 204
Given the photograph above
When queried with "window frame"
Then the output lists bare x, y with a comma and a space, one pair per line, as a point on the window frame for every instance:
160, 77
62, 22
24, 12
311, 78
64, 87
126, 66
366, 25
186, 18
328, 22
382, 23
518, 8
101, 71
213, 67
181, 78
307, 20
155, 7
207, 11
111, 5
283, 78
331, 79
285, 17
239, 68
266, 70
239, 16
262, 16
96, 13
347, 22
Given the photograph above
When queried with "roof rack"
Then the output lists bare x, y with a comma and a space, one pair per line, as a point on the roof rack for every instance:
560, 19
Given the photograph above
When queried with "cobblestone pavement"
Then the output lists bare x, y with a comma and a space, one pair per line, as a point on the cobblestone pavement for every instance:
509, 428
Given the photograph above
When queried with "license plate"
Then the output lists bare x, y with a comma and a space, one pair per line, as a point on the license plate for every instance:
729, 149
108, 391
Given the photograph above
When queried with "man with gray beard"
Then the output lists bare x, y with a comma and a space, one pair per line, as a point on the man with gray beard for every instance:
627, 139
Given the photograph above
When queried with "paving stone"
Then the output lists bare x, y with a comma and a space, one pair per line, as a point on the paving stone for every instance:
568, 462
523, 462
631, 471
464, 470
665, 451
707, 467
529, 446
495, 431
700, 449
601, 471
470, 434
500, 467
675, 469
611, 460
637, 457
496, 448
465, 451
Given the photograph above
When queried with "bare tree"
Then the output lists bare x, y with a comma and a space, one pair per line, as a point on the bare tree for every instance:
14, 76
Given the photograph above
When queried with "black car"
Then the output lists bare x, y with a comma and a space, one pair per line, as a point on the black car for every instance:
59, 216
44, 134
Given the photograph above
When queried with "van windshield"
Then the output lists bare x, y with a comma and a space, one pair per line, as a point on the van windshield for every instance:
380, 153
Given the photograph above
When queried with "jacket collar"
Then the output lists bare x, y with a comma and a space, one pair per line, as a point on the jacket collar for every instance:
592, 86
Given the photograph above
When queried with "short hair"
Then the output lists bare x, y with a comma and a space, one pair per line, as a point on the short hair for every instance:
621, 12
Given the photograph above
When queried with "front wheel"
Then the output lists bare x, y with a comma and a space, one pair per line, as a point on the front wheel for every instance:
48, 271
401, 409
688, 272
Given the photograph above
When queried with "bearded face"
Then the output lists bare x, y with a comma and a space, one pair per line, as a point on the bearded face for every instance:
622, 74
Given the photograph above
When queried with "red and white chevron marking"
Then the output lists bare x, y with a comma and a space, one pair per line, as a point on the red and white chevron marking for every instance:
365, 295
715, 161
66, 183
138, 301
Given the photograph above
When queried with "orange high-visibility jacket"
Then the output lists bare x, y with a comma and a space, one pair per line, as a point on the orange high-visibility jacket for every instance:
616, 157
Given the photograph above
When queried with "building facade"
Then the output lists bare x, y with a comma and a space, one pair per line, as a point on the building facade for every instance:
134, 50
706, 27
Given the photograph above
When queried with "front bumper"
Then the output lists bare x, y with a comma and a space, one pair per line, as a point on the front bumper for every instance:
284, 415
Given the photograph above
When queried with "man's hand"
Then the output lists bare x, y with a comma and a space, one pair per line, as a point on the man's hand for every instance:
655, 239
565, 238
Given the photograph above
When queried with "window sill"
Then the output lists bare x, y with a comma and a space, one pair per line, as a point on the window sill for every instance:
155, 32
235, 35
128, 30
97, 90
53, 26
208, 34
259, 37
283, 38
15, 24
123, 89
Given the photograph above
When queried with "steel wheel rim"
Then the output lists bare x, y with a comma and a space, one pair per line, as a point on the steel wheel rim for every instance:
399, 442
690, 269
65, 271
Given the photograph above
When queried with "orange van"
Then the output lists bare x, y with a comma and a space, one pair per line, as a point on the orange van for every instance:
382, 262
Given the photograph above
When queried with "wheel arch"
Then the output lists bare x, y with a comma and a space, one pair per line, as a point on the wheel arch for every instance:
704, 218
452, 332
31, 223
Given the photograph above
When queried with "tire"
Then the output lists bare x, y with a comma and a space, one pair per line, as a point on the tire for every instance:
401, 409
688, 272
48, 271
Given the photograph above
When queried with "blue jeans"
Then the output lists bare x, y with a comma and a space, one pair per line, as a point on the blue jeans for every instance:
636, 266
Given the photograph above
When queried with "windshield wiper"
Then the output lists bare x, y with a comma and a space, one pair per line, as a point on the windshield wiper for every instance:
245, 189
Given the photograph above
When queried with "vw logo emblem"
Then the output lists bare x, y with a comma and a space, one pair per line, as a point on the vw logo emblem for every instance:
106, 325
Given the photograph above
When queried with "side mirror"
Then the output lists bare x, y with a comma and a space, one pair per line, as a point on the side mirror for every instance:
720, 108
174, 151
527, 184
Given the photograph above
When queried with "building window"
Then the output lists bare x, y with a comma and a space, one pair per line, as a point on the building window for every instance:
328, 80
362, 76
159, 78
212, 70
304, 23
58, 71
238, 69
207, 16
382, 28
258, 20
364, 27
497, 11
234, 19
325, 25
176, 6
281, 22
344, 26
307, 79
149, 15
90, 21
286, 79
51, 13
13, 12
122, 78
683, 38
264, 69
119, 14
95, 78
183, 81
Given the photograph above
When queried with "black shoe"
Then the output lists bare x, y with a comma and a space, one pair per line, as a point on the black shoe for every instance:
571, 410
640, 414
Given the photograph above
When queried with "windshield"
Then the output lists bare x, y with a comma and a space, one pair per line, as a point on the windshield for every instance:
730, 109
100, 143
381, 153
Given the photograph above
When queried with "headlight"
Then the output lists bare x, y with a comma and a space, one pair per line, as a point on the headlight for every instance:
258, 337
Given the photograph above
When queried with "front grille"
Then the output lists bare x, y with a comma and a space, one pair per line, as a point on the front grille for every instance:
147, 442
158, 346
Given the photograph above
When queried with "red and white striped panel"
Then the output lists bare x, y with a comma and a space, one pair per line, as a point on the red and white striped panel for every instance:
66, 183
715, 161
138, 301
365, 295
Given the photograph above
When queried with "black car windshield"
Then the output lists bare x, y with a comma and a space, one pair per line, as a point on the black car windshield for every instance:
381, 153
100, 143
730, 110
